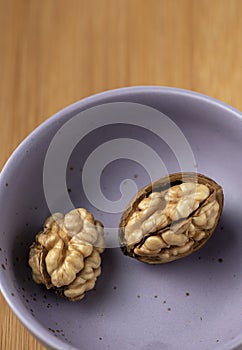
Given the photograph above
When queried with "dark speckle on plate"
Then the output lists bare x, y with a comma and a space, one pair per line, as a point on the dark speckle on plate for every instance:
51, 330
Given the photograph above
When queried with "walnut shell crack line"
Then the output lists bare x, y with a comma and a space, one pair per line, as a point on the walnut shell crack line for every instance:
66, 255
171, 218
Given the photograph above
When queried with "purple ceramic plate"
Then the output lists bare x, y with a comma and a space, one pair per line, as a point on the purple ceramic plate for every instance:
192, 303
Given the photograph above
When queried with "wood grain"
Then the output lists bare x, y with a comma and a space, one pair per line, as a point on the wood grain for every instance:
54, 52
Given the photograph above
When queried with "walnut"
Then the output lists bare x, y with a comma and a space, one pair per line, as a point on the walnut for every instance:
171, 218
66, 254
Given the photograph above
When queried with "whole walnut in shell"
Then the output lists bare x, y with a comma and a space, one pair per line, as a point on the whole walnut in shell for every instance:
66, 254
171, 218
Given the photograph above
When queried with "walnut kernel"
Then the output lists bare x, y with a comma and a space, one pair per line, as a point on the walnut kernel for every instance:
171, 218
66, 254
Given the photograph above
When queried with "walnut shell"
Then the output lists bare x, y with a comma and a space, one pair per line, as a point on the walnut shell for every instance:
171, 218
66, 254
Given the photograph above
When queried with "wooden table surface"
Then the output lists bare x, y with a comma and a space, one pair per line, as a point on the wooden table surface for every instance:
55, 52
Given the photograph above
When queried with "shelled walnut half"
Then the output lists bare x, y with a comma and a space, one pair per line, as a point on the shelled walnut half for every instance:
66, 254
171, 218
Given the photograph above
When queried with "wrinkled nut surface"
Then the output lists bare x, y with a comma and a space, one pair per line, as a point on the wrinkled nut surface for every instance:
171, 218
66, 254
